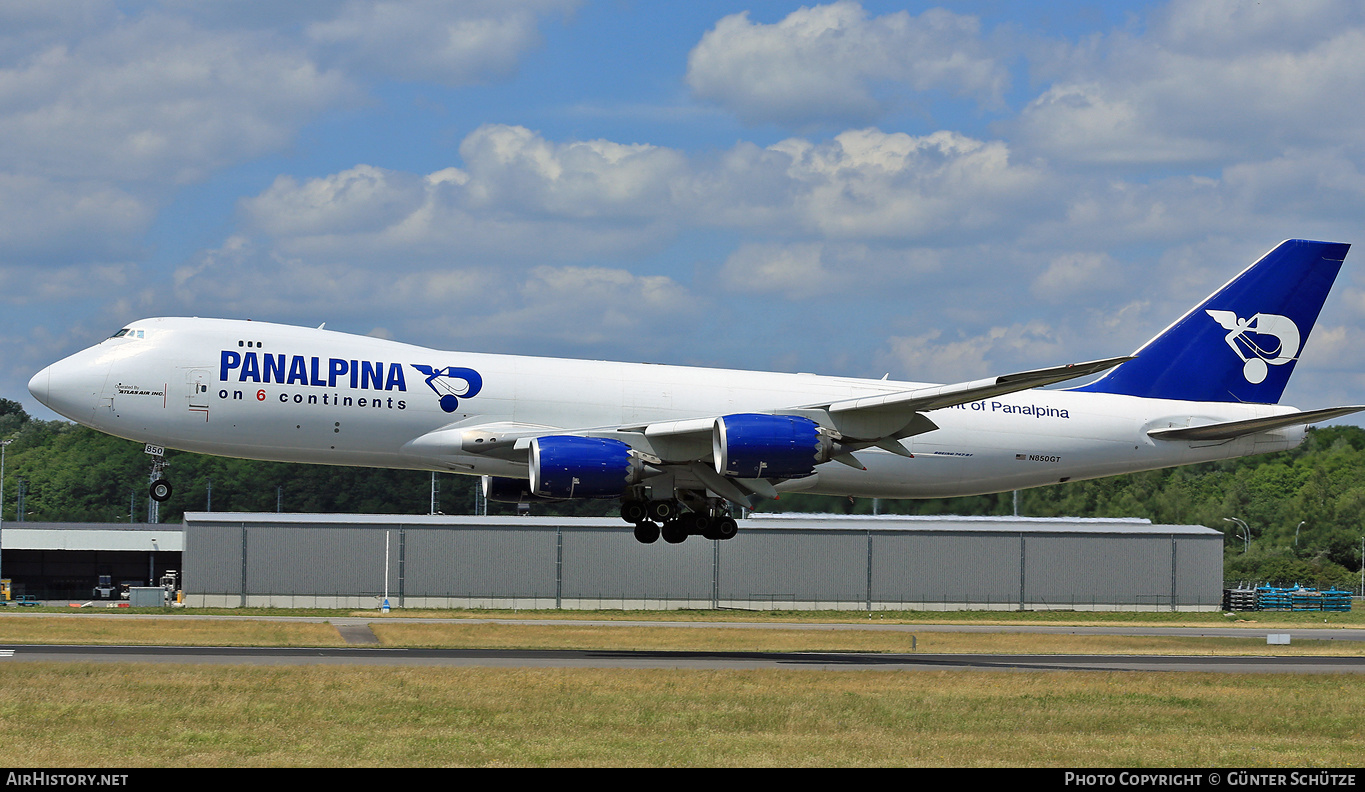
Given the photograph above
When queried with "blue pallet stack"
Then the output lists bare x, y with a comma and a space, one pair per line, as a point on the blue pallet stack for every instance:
1271, 598
1305, 599
1298, 598
1335, 599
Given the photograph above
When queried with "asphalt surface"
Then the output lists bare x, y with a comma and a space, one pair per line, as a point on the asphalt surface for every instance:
823, 661
1246, 630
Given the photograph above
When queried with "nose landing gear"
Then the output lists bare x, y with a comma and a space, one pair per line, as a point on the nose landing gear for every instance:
161, 488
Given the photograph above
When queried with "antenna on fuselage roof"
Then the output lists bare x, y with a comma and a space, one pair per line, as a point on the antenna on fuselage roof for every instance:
324, 324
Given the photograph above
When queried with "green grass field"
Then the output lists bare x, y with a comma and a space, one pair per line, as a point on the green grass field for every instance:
141, 715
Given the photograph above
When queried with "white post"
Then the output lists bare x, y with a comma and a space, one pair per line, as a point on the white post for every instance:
3, 443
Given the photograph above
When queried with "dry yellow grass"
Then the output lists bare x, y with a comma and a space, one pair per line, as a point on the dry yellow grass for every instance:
570, 635
169, 632
1258, 620
63, 715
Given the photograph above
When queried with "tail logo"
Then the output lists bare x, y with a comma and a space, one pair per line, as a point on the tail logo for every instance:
1262, 341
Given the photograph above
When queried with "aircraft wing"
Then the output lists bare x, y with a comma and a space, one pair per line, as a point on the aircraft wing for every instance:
871, 417
868, 421
1228, 430
847, 426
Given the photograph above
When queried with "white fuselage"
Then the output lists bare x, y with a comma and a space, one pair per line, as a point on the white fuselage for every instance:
332, 398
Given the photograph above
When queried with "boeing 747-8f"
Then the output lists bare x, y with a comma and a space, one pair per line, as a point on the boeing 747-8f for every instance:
678, 446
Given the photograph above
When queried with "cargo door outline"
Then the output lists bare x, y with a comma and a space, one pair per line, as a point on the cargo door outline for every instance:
198, 397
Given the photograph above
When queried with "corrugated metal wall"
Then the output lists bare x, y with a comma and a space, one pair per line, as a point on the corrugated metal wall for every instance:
1193, 560
794, 567
597, 563
946, 567
217, 557
1100, 569
314, 559
608, 565
476, 562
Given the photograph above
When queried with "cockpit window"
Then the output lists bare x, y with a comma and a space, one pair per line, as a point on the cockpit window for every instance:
129, 333
120, 334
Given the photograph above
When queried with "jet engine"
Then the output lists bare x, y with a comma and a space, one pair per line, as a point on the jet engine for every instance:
755, 446
501, 489
566, 466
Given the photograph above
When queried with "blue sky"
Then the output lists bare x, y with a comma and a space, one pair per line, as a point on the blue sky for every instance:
938, 193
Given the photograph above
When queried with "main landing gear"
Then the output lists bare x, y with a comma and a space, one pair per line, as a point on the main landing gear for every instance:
709, 518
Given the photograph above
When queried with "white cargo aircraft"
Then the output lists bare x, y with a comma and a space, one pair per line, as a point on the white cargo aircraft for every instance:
679, 445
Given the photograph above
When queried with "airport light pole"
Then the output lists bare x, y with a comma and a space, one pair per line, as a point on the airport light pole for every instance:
1246, 532
1296, 532
3, 443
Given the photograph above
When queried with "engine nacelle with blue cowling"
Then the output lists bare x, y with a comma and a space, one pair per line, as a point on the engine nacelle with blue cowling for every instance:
754, 446
567, 466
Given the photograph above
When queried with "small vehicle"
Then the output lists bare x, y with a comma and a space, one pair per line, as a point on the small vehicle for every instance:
105, 589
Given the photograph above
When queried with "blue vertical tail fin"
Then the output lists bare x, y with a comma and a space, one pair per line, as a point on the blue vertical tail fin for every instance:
1242, 342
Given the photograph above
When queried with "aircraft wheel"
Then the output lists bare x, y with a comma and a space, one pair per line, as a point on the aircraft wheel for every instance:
646, 532
633, 511
724, 528
661, 510
697, 523
161, 490
674, 532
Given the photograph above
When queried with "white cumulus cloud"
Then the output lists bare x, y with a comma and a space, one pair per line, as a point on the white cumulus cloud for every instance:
156, 100
828, 63
1206, 84
448, 43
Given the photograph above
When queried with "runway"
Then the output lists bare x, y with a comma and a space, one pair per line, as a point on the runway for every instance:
1326, 633
364, 649
821, 661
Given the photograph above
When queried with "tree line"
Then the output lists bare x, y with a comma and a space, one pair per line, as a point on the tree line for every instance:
1304, 509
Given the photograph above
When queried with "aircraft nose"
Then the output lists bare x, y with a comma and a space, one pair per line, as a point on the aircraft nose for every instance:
38, 386
70, 387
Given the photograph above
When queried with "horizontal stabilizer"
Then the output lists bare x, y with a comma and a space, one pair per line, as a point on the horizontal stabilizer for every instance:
1231, 429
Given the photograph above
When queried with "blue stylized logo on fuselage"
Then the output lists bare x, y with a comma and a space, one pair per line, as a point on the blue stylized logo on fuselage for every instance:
443, 382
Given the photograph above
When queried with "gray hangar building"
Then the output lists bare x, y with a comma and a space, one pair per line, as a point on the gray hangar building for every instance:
785, 562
